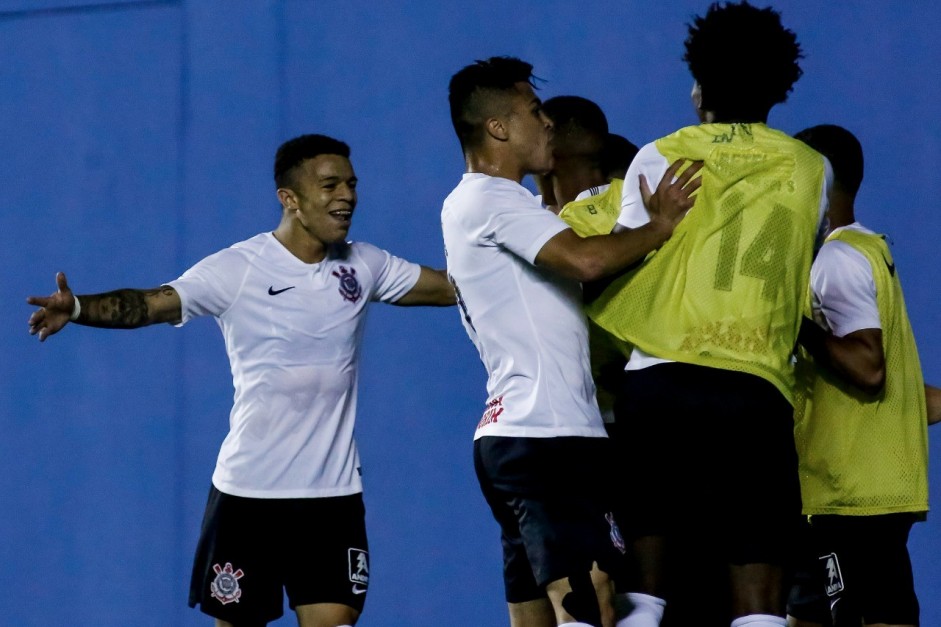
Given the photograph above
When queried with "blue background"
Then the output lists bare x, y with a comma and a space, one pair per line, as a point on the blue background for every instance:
138, 137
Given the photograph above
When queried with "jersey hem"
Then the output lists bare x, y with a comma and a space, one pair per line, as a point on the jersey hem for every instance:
286, 494
530, 432
855, 511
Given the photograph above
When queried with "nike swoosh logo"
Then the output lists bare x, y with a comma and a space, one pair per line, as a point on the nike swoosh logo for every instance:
275, 292
358, 590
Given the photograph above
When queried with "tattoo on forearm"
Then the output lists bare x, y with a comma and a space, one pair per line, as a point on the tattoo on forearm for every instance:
120, 309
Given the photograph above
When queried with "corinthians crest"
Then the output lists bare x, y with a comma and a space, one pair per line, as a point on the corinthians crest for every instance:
350, 289
225, 587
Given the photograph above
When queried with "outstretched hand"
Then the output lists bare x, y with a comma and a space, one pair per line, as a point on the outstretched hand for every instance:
672, 198
54, 310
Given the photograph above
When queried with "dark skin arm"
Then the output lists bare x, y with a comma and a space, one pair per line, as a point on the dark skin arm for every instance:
120, 309
591, 258
432, 288
858, 357
933, 401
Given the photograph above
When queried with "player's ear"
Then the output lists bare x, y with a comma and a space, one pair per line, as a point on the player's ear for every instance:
287, 198
497, 129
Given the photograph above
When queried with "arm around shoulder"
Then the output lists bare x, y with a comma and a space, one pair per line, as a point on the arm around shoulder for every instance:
593, 258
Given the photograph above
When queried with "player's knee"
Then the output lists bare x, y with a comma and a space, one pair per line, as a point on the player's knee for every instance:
581, 603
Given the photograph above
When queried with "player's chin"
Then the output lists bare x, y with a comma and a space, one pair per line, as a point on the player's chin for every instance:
544, 166
338, 235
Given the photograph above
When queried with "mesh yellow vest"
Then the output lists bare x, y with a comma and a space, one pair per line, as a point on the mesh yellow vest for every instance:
726, 291
863, 455
597, 214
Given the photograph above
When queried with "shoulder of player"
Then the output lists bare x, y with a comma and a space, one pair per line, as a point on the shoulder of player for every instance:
648, 161
358, 253
496, 188
250, 247
838, 256
649, 152
484, 197
238, 253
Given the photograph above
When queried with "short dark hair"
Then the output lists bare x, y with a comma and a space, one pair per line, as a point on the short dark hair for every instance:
743, 58
842, 149
471, 91
295, 151
579, 125
576, 111
617, 156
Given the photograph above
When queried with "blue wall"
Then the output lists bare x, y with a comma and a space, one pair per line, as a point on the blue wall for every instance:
138, 137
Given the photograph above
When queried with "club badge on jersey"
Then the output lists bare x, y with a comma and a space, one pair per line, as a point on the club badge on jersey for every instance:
359, 570
225, 587
350, 289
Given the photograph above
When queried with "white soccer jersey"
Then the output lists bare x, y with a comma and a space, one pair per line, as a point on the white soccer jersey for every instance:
292, 331
526, 322
843, 288
653, 165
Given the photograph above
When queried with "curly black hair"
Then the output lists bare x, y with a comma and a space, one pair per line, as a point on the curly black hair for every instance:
743, 58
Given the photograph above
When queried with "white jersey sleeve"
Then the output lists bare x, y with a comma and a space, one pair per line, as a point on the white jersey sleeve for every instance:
395, 277
211, 286
517, 223
844, 291
652, 165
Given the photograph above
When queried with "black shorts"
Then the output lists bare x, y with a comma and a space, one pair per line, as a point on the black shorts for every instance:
865, 568
618, 480
550, 497
710, 452
251, 549
807, 599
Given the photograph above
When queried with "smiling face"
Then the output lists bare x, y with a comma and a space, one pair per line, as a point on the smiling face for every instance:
321, 197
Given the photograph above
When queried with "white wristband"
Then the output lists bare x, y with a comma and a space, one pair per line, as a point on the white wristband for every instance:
76, 309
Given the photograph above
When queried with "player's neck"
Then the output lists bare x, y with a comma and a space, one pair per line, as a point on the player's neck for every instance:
300, 243
574, 179
842, 211
494, 163
715, 117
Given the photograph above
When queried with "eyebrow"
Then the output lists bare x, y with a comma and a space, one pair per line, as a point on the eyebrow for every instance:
337, 179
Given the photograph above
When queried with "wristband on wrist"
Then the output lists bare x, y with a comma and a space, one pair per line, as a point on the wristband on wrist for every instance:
76, 309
